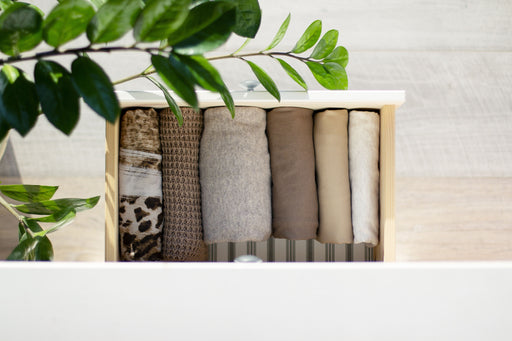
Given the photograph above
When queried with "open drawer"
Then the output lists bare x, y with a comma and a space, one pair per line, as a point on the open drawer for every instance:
385, 102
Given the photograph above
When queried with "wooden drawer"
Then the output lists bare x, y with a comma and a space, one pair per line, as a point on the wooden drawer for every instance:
384, 101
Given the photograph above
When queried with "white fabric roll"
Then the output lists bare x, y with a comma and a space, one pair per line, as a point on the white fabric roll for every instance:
364, 129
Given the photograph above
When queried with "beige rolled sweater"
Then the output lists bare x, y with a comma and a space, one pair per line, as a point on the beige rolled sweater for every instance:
331, 150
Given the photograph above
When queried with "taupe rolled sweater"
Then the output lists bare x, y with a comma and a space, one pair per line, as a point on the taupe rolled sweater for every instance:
140, 186
292, 161
235, 176
183, 232
331, 149
364, 134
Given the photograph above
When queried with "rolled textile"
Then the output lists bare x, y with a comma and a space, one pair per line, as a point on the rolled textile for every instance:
331, 150
140, 186
292, 162
364, 129
235, 176
183, 232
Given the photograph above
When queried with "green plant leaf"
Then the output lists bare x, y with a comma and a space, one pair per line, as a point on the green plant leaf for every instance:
28, 193
159, 19
63, 218
98, 3
4, 4
207, 77
209, 38
11, 74
331, 76
55, 217
280, 33
248, 18
21, 232
18, 100
58, 96
177, 77
326, 45
309, 37
175, 108
339, 56
265, 80
244, 44
199, 17
113, 20
293, 74
23, 249
43, 250
54, 206
31, 225
20, 28
67, 21
4, 127
95, 87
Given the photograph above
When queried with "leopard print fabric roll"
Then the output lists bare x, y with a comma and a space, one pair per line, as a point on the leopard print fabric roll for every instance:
140, 187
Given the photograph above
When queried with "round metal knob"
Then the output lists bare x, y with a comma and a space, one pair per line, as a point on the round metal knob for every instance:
248, 259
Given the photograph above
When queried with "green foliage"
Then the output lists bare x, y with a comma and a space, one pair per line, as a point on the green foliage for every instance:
326, 45
177, 76
67, 21
159, 19
292, 73
20, 28
309, 37
59, 99
93, 84
200, 17
265, 80
113, 20
28, 193
20, 112
34, 243
280, 33
175, 33
210, 37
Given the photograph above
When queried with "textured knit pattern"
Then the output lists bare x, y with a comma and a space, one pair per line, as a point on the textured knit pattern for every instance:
292, 161
364, 131
331, 150
235, 176
140, 190
183, 233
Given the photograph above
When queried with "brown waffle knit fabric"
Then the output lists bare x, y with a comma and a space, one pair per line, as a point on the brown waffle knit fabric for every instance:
183, 232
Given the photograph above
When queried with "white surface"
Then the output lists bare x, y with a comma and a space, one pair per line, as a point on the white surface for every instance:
372, 99
116, 301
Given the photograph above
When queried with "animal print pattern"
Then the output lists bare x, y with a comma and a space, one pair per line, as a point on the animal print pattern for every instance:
140, 228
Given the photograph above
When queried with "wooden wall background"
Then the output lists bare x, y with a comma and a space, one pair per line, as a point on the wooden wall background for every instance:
454, 133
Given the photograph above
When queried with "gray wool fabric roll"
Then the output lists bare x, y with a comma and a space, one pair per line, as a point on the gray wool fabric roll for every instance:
364, 131
183, 231
235, 176
331, 150
292, 161
140, 187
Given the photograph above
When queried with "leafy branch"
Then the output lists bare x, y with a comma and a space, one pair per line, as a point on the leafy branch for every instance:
33, 242
175, 33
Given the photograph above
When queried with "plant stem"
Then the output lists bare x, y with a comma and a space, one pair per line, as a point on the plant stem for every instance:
11, 210
237, 56
148, 71
76, 51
